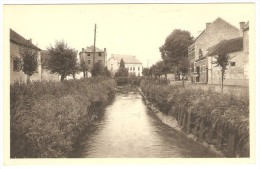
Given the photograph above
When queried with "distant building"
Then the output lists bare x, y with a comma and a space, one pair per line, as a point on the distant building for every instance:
88, 56
237, 69
214, 33
133, 65
46, 75
16, 43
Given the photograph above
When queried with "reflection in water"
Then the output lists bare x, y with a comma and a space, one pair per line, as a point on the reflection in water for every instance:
129, 129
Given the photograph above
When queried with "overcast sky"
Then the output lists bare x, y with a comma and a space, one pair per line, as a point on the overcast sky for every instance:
123, 29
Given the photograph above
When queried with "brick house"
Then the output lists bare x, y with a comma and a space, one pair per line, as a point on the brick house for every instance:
16, 43
133, 65
88, 56
214, 33
237, 69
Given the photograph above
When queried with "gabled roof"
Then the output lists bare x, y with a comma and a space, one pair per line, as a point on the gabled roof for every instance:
128, 59
91, 49
216, 20
231, 45
18, 39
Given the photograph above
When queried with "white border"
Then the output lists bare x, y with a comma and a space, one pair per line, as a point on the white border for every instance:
199, 166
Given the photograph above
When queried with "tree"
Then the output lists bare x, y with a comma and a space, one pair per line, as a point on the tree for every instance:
83, 67
63, 60
122, 71
222, 62
29, 60
146, 72
122, 63
98, 69
184, 65
107, 72
176, 47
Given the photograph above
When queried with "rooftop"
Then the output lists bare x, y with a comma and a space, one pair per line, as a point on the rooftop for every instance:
91, 49
128, 59
231, 45
16, 38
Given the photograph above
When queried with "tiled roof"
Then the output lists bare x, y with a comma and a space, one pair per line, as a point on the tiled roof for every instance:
128, 59
16, 38
231, 45
91, 49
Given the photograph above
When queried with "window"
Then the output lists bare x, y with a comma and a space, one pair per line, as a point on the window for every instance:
100, 61
138, 68
133, 68
88, 54
99, 54
89, 61
232, 63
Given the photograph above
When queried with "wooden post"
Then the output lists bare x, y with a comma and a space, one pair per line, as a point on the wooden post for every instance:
183, 126
202, 129
188, 122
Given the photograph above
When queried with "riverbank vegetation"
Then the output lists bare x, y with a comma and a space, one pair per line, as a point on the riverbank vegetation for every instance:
48, 117
220, 119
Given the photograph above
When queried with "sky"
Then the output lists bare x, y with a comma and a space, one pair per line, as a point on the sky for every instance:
132, 29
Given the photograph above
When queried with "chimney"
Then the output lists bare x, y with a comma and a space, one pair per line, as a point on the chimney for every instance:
207, 24
30, 41
105, 49
82, 49
242, 25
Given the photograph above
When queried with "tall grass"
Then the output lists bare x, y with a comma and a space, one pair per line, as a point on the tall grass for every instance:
220, 119
48, 117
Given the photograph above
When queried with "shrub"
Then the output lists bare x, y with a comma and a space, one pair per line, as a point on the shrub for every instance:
211, 113
48, 117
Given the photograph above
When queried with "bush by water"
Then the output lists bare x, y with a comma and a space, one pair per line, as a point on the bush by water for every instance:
219, 119
48, 117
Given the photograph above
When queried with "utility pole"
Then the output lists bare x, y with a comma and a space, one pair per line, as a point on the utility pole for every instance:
94, 52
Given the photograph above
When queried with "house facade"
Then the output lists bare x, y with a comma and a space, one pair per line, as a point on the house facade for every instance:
133, 65
214, 33
17, 42
237, 70
91, 57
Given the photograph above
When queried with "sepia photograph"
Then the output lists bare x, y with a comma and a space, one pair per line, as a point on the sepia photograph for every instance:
155, 81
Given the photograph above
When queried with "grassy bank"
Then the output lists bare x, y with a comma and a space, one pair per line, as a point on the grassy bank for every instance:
48, 117
219, 119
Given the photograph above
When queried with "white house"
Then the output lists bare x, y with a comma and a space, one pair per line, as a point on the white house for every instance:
133, 65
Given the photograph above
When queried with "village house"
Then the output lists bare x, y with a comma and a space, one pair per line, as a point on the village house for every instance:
214, 33
237, 69
16, 43
88, 56
133, 65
